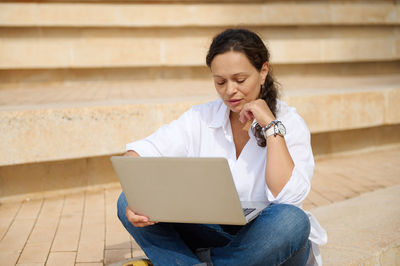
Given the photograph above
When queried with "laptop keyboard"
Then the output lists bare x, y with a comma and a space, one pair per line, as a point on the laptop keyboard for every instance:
247, 211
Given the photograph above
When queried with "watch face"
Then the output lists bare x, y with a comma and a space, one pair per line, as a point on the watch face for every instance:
281, 128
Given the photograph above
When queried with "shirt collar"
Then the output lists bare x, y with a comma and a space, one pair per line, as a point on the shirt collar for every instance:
221, 117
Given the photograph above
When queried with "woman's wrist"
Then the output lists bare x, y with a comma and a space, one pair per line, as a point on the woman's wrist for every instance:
267, 121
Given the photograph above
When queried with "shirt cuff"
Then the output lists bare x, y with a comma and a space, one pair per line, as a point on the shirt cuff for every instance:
143, 148
294, 192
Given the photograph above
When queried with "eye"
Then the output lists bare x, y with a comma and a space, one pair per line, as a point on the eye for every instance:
221, 83
240, 81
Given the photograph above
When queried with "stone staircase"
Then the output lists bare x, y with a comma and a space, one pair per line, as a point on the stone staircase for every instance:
79, 80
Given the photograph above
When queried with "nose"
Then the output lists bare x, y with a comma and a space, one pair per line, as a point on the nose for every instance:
230, 87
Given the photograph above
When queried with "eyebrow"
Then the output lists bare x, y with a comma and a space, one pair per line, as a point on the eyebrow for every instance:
236, 74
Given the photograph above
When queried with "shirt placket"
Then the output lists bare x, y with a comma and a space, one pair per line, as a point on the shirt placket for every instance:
229, 138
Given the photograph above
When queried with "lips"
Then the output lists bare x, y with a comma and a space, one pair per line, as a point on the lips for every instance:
234, 101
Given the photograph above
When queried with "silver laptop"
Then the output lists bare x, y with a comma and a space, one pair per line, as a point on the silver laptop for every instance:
183, 190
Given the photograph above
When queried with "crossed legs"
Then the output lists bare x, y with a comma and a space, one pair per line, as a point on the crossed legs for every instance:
278, 236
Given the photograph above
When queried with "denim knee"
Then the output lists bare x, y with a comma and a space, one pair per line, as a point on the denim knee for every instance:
293, 222
121, 208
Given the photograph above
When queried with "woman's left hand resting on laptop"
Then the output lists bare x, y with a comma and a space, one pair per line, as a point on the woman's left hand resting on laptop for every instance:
136, 219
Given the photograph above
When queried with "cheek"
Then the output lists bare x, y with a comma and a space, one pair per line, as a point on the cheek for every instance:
257, 90
220, 91
252, 90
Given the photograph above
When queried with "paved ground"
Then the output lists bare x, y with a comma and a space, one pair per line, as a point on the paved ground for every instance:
30, 95
364, 230
82, 228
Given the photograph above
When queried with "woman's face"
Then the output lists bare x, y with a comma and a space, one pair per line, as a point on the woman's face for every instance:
236, 80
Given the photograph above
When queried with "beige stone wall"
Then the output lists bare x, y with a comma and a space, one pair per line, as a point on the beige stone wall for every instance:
200, 13
81, 47
79, 80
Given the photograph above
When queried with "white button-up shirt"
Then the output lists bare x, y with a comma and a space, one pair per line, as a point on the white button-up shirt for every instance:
205, 131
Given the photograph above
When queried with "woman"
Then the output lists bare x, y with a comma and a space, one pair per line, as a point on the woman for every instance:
272, 161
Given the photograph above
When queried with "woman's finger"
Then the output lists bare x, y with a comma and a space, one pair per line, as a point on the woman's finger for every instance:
138, 220
243, 116
249, 115
144, 224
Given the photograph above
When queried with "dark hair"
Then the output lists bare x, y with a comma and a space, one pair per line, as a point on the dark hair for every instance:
249, 43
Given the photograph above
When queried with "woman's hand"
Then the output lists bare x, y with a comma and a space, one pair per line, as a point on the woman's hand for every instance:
257, 109
131, 153
137, 220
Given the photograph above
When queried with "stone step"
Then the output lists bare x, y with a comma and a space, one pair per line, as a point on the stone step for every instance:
81, 47
192, 80
14, 97
219, 13
362, 230
59, 130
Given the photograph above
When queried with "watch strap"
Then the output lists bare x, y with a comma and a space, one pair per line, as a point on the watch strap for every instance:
273, 122
267, 129
270, 131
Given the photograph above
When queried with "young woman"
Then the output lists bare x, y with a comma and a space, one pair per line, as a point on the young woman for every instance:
272, 162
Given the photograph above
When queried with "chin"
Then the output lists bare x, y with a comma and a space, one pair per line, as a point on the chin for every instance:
236, 109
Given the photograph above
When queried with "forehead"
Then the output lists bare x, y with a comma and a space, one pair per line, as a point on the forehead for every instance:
230, 63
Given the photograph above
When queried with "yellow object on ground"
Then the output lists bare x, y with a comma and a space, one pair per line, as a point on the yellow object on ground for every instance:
141, 262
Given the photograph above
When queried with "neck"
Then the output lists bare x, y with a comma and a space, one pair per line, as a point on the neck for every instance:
234, 116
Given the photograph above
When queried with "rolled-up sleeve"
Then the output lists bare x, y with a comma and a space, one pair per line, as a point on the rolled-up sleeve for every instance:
170, 140
298, 143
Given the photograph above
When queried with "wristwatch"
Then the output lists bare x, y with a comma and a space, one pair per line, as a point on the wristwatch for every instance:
274, 128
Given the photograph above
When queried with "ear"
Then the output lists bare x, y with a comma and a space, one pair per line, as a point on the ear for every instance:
264, 72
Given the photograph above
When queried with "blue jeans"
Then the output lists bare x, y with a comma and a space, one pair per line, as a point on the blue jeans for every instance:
278, 236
